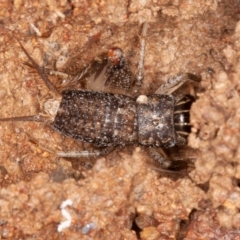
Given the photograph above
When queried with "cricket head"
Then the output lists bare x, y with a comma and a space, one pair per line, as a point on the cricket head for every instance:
50, 107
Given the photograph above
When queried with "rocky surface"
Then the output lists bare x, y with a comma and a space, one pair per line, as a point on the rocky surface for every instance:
120, 196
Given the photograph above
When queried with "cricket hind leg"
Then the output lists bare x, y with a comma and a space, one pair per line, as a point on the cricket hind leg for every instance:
108, 72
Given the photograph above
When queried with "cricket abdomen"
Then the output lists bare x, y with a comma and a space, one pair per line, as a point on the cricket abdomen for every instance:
103, 119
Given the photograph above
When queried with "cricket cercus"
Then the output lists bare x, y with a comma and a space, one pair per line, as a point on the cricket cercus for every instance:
107, 120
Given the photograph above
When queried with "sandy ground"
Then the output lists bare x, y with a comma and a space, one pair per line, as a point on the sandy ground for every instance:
120, 196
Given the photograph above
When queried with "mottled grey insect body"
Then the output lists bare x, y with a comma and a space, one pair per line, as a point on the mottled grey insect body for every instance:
103, 119
108, 120
155, 121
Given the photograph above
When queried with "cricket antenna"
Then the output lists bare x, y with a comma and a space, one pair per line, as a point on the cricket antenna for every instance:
49, 84
40, 71
33, 118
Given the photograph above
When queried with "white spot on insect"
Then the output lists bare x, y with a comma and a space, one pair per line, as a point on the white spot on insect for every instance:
142, 99
65, 214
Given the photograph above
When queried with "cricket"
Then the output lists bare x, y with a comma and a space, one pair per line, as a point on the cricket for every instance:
107, 120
